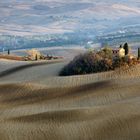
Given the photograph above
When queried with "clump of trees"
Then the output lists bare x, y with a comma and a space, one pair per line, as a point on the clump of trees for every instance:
93, 62
125, 61
87, 63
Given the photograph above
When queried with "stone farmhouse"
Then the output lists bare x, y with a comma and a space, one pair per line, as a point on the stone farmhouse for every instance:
119, 52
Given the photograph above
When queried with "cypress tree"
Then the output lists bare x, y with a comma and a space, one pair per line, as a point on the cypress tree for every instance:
36, 57
121, 46
126, 47
8, 52
138, 53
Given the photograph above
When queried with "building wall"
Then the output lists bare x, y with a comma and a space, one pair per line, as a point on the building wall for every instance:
122, 52
33, 53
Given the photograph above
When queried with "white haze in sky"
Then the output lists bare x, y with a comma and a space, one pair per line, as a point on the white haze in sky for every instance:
39, 17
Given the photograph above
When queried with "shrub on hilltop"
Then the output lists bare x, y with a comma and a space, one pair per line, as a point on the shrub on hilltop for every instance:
93, 62
87, 63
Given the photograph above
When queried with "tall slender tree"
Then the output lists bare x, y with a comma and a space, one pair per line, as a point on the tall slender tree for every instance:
36, 57
8, 52
121, 46
138, 53
126, 47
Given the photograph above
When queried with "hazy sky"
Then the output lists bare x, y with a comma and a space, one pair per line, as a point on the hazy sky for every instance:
30, 17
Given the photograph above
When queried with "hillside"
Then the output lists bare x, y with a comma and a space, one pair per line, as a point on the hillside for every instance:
37, 104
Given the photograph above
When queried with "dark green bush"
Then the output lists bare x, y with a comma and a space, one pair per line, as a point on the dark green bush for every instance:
87, 63
92, 62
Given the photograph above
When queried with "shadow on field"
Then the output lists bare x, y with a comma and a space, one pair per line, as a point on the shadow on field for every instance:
26, 66
16, 94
